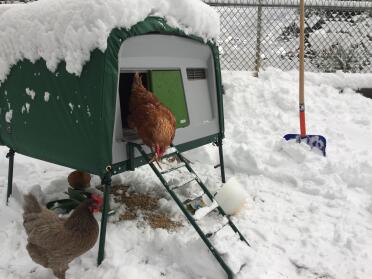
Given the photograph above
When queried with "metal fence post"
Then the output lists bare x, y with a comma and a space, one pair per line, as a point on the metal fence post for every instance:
258, 39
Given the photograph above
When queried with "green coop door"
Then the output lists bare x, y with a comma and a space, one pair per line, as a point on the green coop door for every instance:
167, 85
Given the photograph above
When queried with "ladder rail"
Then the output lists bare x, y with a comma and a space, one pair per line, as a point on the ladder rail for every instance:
210, 246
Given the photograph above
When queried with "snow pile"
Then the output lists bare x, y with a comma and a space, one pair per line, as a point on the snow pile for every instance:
306, 216
341, 80
5, 7
69, 30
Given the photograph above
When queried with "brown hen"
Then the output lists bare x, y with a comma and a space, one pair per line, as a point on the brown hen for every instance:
154, 122
54, 242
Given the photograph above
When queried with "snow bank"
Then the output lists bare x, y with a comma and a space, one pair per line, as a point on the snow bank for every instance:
69, 30
341, 80
338, 80
5, 7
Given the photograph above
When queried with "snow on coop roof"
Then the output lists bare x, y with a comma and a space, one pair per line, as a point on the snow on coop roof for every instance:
69, 30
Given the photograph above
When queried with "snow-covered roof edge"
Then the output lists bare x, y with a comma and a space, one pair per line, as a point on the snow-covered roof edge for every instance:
68, 30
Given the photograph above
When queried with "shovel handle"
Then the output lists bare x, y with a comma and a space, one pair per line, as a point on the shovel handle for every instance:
302, 124
302, 69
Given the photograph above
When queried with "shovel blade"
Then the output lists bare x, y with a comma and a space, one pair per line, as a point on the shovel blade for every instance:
316, 141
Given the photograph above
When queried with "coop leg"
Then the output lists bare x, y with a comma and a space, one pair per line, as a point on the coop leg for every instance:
10, 155
130, 152
222, 164
106, 181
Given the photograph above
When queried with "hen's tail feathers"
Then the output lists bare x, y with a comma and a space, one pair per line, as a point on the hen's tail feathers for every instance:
31, 205
137, 82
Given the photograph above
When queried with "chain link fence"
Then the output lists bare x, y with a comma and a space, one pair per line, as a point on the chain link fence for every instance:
256, 34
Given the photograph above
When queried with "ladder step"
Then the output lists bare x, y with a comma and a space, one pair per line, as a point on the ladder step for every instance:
204, 211
171, 151
183, 184
173, 169
200, 206
210, 234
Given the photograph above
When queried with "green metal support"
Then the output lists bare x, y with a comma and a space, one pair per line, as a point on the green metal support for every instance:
106, 181
131, 161
10, 156
222, 163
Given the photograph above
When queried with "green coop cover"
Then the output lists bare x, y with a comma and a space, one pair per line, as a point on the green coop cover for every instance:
68, 119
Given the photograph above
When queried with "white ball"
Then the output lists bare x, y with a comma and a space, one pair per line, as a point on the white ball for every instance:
231, 197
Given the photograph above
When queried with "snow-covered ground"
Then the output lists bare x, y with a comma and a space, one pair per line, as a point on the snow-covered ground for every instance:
306, 216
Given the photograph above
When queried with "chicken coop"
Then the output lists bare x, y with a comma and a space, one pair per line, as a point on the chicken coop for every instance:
81, 121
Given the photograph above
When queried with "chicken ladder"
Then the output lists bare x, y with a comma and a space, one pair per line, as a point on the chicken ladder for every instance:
171, 189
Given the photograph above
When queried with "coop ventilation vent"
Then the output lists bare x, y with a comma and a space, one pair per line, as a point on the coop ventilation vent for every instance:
196, 73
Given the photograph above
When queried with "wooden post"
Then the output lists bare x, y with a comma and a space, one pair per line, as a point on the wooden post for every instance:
302, 70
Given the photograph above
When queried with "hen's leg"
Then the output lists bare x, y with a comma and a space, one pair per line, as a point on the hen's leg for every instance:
155, 158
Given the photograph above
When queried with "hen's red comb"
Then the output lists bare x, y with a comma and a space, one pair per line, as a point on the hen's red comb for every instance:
97, 198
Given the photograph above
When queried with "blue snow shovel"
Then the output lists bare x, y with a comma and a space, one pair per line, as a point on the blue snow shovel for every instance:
316, 141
